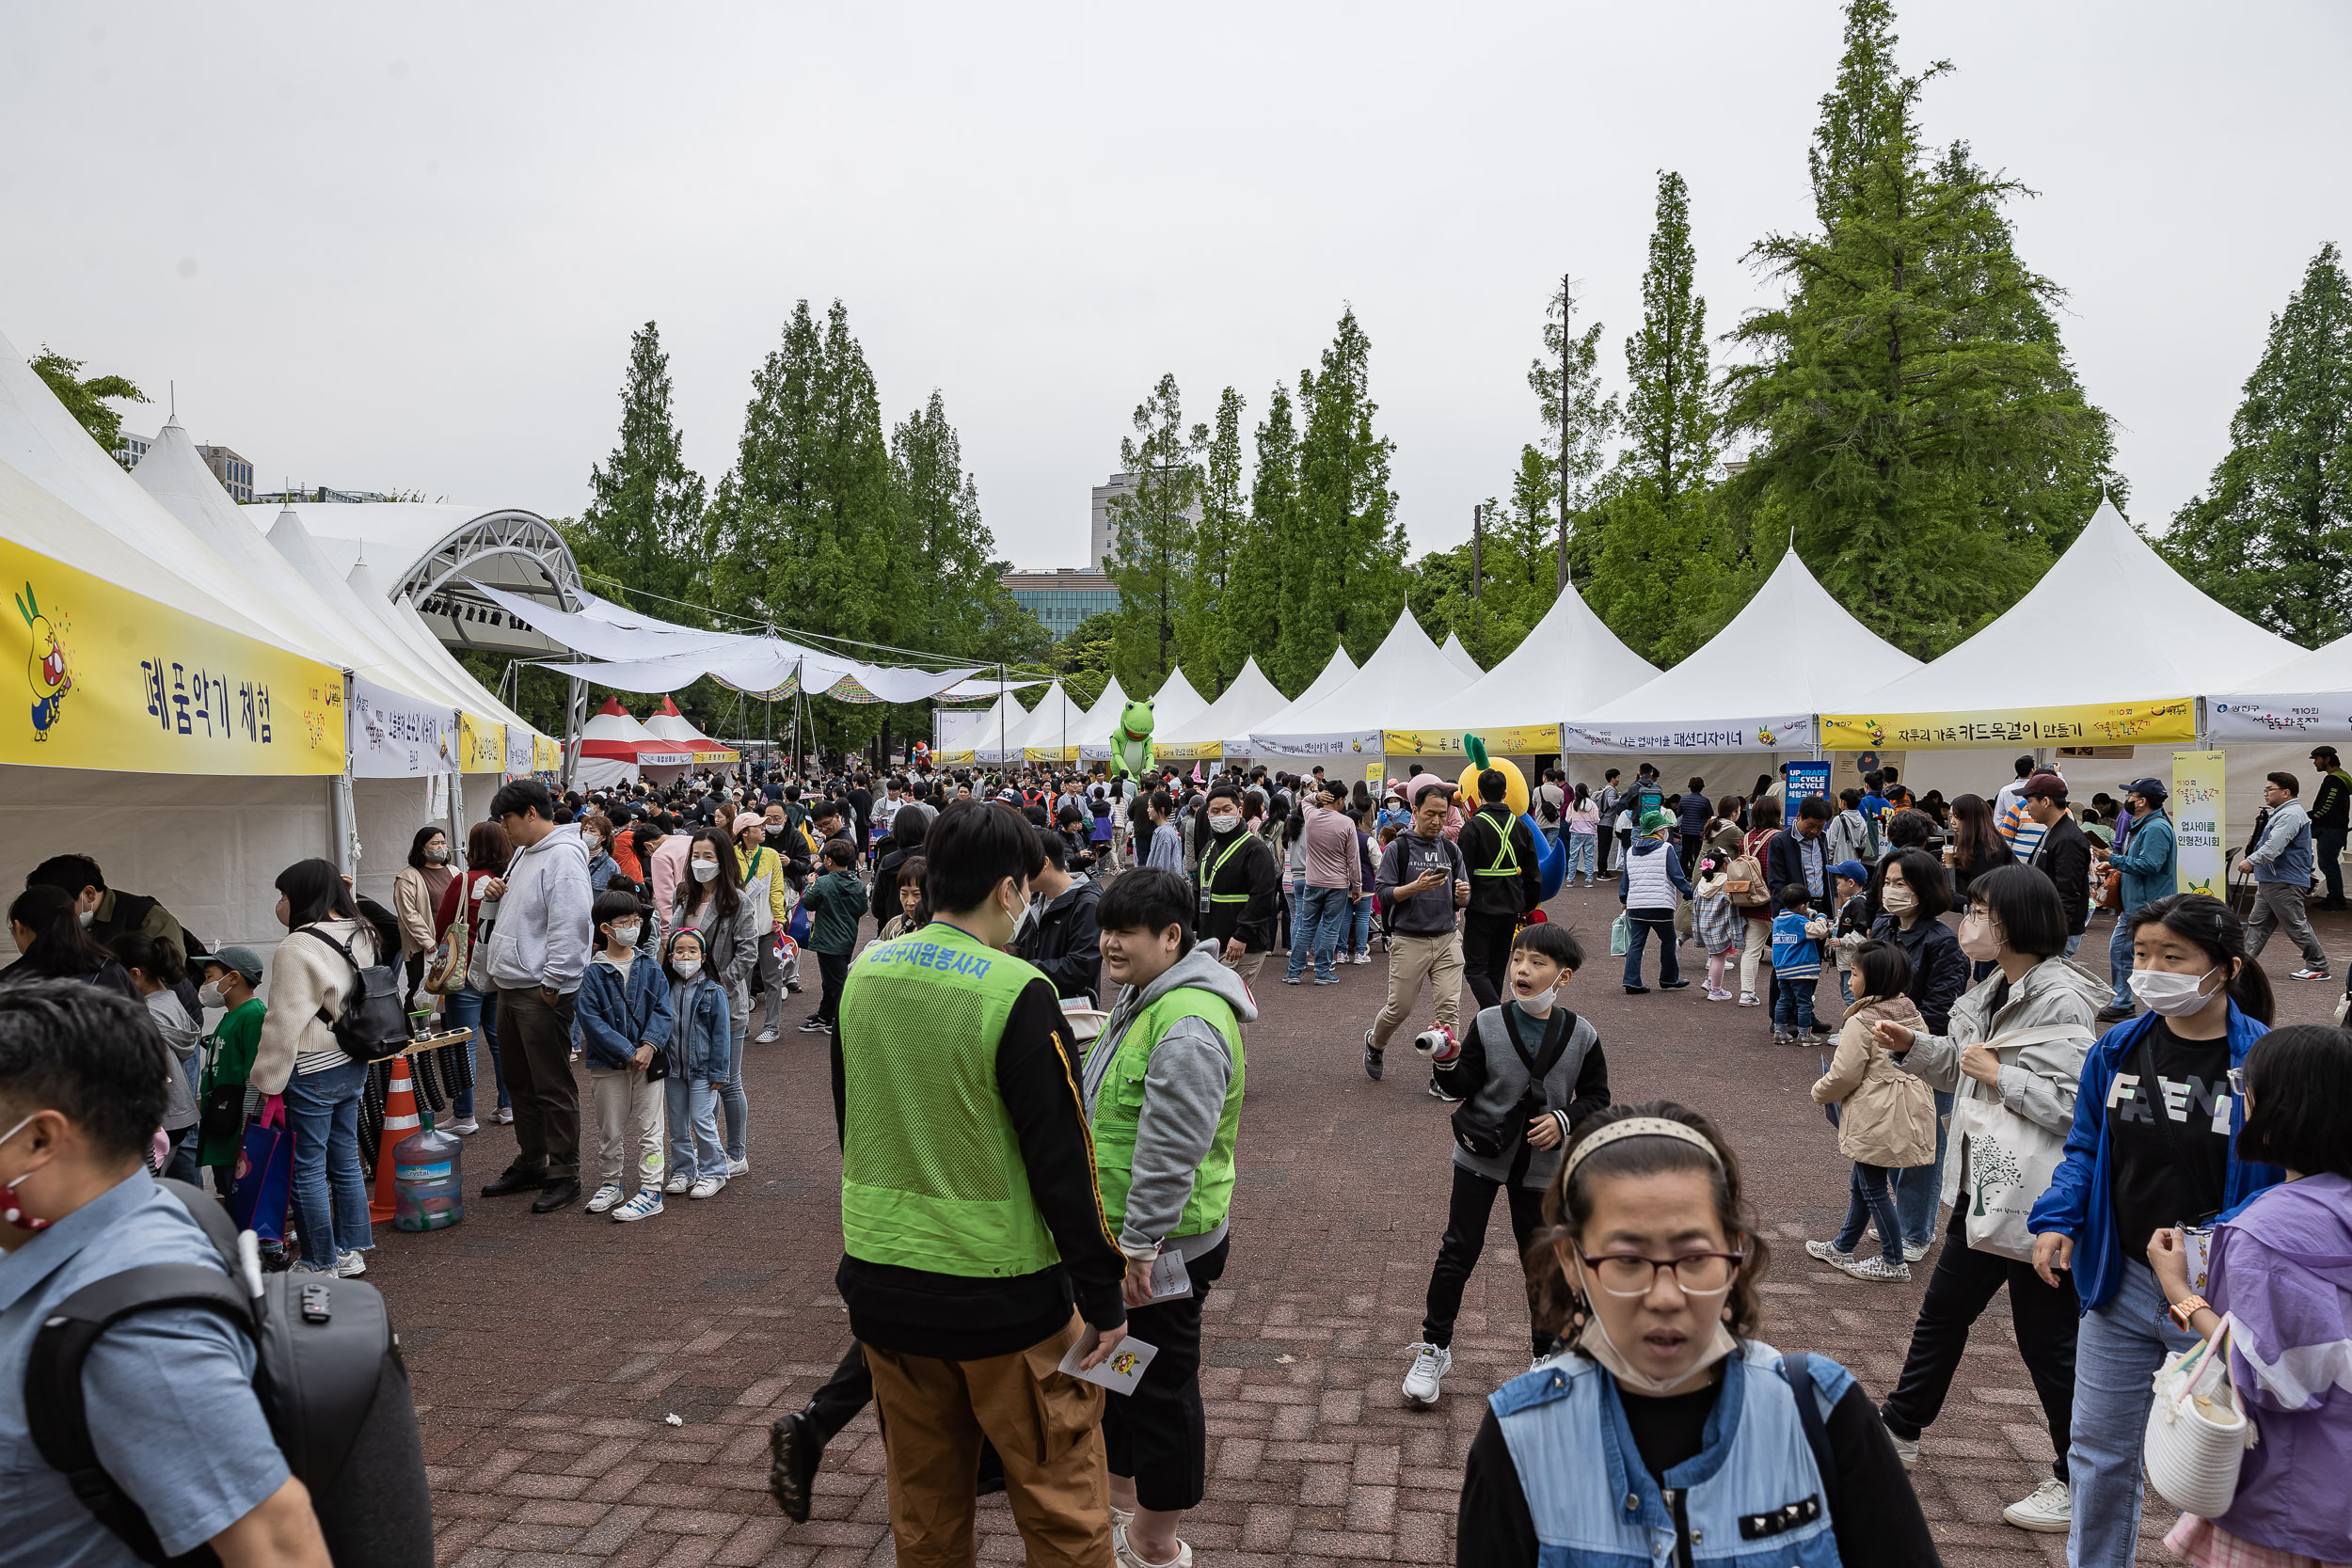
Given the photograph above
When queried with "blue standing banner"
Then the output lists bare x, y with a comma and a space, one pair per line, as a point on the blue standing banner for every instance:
1806, 780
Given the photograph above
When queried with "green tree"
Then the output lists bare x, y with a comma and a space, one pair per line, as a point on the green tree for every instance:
960, 607
1083, 658
1153, 535
1344, 579
1254, 596
1211, 651
1578, 420
644, 524
1916, 423
2271, 537
86, 400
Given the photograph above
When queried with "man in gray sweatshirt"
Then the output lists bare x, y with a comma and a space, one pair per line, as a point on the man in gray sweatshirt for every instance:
538, 950
1422, 884
1163, 1087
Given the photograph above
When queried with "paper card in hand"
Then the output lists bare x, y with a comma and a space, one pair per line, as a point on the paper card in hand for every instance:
1119, 1371
1170, 1282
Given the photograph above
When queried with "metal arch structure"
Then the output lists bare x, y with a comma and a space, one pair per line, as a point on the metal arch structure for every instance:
441, 578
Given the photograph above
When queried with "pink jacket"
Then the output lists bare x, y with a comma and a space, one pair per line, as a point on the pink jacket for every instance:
669, 868
1333, 857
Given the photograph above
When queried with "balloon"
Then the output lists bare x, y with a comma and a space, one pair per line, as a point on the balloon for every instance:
1551, 858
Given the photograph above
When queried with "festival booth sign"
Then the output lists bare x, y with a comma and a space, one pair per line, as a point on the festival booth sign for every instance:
2307, 699
2162, 721
481, 744
546, 756
1784, 732
518, 752
393, 735
2200, 806
1522, 740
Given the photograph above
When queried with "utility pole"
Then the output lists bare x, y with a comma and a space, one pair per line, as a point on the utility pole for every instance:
1564, 432
1478, 580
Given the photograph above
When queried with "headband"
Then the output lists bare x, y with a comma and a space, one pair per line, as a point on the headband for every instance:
1637, 1127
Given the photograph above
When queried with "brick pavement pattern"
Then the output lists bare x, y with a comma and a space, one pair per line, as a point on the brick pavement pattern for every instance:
549, 1351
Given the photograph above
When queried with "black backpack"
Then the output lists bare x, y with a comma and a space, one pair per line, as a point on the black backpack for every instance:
329, 1378
1485, 1139
375, 1021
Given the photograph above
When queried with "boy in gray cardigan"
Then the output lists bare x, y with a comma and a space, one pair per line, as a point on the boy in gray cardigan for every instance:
1490, 1068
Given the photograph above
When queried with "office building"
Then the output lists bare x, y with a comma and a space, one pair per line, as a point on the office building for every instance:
1063, 598
130, 449
1099, 534
235, 473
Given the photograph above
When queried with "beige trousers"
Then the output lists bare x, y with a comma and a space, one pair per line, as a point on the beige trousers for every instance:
629, 1109
1412, 960
1756, 952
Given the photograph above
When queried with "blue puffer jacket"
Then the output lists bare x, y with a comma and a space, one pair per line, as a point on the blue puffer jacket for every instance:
617, 1016
701, 1049
2079, 1202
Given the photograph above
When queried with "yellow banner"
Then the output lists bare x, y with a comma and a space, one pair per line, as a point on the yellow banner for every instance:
705, 757
1188, 751
2163, 722
2200, 834
1507, 740
128, 684
480, 745
547, 755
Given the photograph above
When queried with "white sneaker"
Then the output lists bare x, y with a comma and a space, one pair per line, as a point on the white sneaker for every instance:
644, 1205
1748, 999
606, 1196
464, 1127
1914, 1251
766, 1036
738, 1167
1906, 1449
1877, 1271
678, 1184
1363, 956
1825, 1253
351, 1265
2049, 1512
708, 1187
1127, 1556
1430, 1363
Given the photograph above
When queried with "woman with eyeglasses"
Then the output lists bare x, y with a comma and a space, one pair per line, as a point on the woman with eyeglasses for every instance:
1611, 1450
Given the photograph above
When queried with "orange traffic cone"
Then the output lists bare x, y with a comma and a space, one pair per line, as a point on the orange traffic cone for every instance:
400, 1120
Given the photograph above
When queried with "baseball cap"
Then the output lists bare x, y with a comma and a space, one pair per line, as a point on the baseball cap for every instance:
240, 959
2045, 785
1854, 871
2154, 789
745, 821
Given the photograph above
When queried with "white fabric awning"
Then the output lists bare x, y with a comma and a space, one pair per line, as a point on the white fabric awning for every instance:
1459, 656
1406, 674
1249, 700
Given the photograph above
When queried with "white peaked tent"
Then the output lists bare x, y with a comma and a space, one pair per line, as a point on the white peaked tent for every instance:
1091, 740
989, 734
2308, 699
1175, 703
1460, 657
1568, 660
409, 627
1338, 673
1756, 686
1054, 724
1249, 700
1406, 674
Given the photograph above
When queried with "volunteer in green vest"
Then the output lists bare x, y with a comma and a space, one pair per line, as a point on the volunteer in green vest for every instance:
1505, 882
969, 1215
1240, 886
1163, 1089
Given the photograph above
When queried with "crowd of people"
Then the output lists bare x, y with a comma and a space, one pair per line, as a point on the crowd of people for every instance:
1036, 1203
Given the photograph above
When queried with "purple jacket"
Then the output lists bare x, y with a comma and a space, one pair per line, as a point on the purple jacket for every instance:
2284, 1267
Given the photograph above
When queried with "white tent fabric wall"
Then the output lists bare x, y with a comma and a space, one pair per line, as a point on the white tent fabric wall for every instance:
1055, 723
1567, 660
1459, 657
293, 543
1406, 674
1102, 716
1790, 654
404, 623
1176, 702
1337, 672
954, 728
1248, 702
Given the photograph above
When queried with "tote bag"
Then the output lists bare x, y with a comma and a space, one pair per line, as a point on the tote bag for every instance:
2008, 1160
2198, 1432
264, 1173
1620, 936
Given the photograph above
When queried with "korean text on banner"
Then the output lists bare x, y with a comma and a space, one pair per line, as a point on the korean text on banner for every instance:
480, 745
1376, 776
393, 735
1503, 741
2160, 723
2198, 815
547, 755
1313, 745
2288, 715
1189, 751
1788, 732
127, 684
517, 752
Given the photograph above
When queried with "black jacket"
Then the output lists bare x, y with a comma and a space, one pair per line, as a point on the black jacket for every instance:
1481, 843
2064, 857
1064, 941
1783, 862
1253, 870
1939, 970
2331, 805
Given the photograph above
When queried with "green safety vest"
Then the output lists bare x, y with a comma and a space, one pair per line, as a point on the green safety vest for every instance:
1119, 1108
1241, 838
1507, 858
931, 1176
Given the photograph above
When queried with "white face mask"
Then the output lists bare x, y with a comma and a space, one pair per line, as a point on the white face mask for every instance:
85, 917
687, 968
2171, 994
437, 857
210, 996
704, 870
1222, 823
625, 936
1899, 900
1541, 1002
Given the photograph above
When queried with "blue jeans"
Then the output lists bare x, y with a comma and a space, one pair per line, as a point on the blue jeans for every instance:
1639, 924
322, 1108
2120, 963
1323, 915
731, 1099
1919, 1189
1871, 1196
477, 1011
2117, 1350
1299, 914
1582, 849
1792, 1004
694, 1122
1359, 927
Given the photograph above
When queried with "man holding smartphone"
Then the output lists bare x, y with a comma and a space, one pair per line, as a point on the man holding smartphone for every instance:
1423, 882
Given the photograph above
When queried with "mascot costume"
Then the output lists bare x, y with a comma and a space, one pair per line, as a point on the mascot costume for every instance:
1551, 858
1130, 743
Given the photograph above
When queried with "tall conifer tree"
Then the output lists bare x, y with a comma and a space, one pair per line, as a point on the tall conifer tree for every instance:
1153, 535
1211, 651
644, 522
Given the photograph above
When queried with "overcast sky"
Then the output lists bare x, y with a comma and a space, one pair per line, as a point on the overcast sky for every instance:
405, 247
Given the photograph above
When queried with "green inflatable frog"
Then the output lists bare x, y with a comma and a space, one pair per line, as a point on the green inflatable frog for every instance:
1130, 743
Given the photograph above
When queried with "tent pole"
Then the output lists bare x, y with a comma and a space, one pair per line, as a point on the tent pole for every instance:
575, 721
343, 805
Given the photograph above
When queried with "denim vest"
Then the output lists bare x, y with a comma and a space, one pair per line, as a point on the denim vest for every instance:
1751, 1495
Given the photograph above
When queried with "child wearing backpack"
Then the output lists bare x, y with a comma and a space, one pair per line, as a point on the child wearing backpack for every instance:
625, 1024
1797, 934
1526, 1073
1885, 1116
698, 1061
1720, 929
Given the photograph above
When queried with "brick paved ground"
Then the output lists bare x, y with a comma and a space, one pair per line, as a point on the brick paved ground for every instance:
548, 1351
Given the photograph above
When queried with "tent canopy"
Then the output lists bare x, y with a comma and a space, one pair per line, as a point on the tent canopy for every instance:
1055, 723
1406, 674
1175, 703
1459, 656
1569, 657
1791, 653
1249, 700
1338, 673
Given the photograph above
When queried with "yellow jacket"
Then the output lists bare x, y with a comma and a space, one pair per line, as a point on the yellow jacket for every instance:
780, 897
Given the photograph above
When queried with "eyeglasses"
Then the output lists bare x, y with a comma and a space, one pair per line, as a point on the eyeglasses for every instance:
1696, 1273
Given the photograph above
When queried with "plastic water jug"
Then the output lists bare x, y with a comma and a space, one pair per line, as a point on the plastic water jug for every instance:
428, 1180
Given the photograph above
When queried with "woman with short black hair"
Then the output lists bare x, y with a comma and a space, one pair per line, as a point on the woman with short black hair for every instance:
53, 947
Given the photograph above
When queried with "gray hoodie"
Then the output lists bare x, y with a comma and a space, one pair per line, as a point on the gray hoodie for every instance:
541, 937
1183, 1097
2038, 1081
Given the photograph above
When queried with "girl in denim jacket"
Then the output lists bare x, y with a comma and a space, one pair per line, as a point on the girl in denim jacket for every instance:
698, 1058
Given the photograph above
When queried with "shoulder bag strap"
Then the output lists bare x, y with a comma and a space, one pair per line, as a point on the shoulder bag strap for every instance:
1799, 1368
325, 1017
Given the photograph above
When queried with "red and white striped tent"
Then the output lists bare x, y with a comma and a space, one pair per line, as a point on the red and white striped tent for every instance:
673, 726
615, 748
